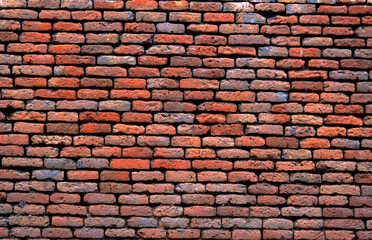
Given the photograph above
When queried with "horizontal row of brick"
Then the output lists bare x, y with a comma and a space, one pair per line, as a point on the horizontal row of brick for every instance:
158, 233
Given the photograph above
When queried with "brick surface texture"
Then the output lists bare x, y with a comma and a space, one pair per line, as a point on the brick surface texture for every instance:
144, 119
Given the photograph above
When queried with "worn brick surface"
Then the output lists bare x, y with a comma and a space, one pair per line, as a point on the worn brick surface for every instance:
186, 119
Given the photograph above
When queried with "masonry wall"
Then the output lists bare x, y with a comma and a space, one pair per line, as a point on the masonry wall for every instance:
185, 119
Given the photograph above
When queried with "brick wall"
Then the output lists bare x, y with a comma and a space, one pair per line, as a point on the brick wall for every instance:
186, 119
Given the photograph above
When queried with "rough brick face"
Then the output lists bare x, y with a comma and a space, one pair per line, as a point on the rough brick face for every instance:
186, 119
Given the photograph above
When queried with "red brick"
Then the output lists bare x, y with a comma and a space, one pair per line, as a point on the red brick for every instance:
104, 4
187, 233
130, 164
107, 71
170, 164
304, 52
28, 197
173, 5
200, 211
331, 131
212, 164
185, 17
141, 5
114, 176
202, 51
180, 176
